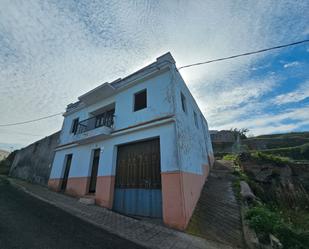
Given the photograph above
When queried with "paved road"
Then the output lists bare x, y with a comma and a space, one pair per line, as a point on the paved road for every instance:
26, 222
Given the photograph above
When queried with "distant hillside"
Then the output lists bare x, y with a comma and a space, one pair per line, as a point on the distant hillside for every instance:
294, 145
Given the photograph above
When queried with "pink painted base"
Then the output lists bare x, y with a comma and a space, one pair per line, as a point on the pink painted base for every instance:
105, 191
77, 186
54, 184
181, 191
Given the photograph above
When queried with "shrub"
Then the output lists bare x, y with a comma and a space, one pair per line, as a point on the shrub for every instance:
265, 221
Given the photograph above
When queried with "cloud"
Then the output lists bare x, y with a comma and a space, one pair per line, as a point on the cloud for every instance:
297, 95
263, 124
291, 64
53, 51
227, 101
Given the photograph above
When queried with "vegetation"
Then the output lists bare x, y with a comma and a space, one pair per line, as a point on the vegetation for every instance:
240, 132
262, 157
289, 225
294, 153
265, 221
230, 157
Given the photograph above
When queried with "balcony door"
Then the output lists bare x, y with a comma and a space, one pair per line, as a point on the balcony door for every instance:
94, 170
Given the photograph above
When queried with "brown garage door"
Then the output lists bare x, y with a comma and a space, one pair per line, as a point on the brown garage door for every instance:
138, 179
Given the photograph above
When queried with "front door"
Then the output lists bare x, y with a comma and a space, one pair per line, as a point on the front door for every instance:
94, 170
138, 179
66, 171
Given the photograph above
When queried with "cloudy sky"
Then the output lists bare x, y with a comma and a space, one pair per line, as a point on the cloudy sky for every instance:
53, 51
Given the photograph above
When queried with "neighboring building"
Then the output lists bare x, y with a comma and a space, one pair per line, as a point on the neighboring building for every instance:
223, 141
139, 145
223, 136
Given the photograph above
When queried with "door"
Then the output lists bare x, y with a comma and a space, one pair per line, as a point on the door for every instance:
94, 170
66, 171
138, 179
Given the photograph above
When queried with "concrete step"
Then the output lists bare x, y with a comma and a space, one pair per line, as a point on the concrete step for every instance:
87, 199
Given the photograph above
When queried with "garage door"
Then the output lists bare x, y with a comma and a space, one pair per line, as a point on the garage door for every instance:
138, 179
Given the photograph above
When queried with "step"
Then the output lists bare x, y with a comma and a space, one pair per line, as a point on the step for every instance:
88, 200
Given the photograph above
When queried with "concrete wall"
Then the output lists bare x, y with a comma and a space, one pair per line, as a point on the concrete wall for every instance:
33, 163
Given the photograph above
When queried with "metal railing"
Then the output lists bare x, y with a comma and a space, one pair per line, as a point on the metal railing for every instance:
104, 119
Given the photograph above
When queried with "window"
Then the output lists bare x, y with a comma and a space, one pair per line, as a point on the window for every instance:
140, 100
183, 102
195, 119
74, 125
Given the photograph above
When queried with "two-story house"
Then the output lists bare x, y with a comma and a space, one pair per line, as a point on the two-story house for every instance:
139, 145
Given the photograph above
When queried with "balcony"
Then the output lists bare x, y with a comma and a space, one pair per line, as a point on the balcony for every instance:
97, 127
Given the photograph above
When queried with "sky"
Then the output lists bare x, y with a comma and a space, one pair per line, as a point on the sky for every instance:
51, 52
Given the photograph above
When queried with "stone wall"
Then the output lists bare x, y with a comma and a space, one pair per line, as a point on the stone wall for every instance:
33, 163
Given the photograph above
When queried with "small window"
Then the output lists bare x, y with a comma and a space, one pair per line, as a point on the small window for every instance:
195, 120
183, 102
74, 125
140, 100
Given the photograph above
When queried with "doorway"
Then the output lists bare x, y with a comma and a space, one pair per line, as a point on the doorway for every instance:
94, 170
68, 162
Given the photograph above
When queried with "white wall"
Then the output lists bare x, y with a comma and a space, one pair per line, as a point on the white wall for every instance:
193, 145
188, 152
159, 103
81, 161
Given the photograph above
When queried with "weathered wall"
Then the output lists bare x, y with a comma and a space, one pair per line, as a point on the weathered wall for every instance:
33, 163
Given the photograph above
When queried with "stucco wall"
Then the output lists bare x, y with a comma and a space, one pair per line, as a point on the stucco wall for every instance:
186, 150
193, 141
194, 150
159, 103
82, 155
33, 163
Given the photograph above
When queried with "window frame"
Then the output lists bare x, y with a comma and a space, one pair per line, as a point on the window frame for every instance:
74, 125
183, 102
134, 100
195, 119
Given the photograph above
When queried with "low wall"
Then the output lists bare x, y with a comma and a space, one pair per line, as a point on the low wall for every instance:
33, 163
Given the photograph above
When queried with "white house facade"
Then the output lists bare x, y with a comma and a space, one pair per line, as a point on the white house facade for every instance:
139, 145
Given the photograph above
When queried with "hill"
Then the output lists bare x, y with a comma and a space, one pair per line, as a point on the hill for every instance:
294, 145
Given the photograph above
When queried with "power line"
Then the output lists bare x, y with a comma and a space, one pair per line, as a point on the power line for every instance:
186, 66
31, 121
19, 133
244, 54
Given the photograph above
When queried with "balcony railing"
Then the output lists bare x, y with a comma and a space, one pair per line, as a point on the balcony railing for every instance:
104, 119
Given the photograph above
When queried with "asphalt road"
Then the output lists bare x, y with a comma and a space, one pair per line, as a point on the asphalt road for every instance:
26, 222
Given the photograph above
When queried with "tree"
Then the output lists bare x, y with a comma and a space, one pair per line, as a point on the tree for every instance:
240, 132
